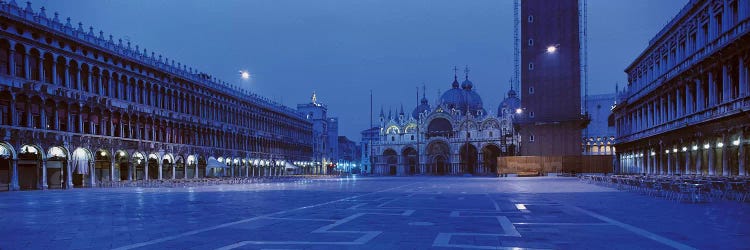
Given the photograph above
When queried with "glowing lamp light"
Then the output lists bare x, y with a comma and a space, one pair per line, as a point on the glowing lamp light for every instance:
707, 146
519, 111
122, 154
736, 142
244, 74
684, 149
653, 153
695, 147
674, 150
720, 144
103, 153
551, 49
666, 151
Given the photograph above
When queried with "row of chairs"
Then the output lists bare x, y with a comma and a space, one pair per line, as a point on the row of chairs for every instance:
205, 181
700, 189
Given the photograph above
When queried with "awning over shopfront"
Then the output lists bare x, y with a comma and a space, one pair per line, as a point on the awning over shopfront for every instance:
213, 163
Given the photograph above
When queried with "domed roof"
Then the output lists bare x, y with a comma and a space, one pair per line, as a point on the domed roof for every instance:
422, 107
511, 103
464, 98
454, 98
467, 84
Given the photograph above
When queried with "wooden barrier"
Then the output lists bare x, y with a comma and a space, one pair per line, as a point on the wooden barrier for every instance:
555, 164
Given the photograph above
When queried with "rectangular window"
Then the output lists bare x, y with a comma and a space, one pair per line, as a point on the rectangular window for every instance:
531, 137
531, 42
531, 114
719, 24
704, 31
531, 66
530, 19
531, 90
692, 43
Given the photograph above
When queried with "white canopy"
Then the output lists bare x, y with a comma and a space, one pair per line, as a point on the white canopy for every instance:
290, 166
213, 163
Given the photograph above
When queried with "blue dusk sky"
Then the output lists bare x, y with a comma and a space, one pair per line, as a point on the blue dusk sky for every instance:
342, 49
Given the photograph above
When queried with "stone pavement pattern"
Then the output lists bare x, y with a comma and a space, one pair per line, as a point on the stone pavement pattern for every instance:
369, 213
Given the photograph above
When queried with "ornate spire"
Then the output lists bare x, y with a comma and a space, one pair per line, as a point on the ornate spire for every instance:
314, 98
466, 72
401, 112
455, 77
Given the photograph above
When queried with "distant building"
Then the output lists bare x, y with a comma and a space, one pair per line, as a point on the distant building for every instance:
550, 78
333, 141
685, 109
598, 136
369, 137
457, 136
349, 154
325, 135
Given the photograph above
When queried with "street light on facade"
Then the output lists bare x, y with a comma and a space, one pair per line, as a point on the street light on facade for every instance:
552, 48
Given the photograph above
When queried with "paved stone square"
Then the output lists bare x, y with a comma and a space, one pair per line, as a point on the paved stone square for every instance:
369, 213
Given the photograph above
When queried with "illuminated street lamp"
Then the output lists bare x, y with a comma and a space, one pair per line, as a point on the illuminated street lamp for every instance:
244, 74
552, 48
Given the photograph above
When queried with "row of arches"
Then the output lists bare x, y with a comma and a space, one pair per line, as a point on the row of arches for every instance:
439, 159
30, 166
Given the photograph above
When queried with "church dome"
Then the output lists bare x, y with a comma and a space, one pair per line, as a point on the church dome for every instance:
467, 85
422, 107
463, 99
454, 98
510, 103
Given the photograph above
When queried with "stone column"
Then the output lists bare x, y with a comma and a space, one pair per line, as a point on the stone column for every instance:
669, 114
699, 159
688, 99
79, 84
647, 158
712, 95
161, 165
698, 95
92, 174
44, 184
247, 169
724, 156
687, 162
55, 81
711, 160
112, 166
174, 172
26, 69
726, 83
14, 175
145, 169
131, 170
40, 65
678, 103
12, 60
69, 174
670, 163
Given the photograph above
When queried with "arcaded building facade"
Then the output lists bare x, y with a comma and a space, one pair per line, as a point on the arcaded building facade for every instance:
685, 110
456, 136
78, 107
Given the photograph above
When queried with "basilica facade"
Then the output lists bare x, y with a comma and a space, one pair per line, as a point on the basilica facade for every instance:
456, 136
